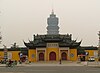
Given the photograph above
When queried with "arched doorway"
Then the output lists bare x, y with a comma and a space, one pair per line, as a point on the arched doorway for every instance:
41, 56
52, 56
63, 56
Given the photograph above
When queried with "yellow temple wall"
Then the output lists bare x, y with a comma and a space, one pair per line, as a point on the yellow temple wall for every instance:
1, 55
15, 55
73, 54
91, 53
32, 55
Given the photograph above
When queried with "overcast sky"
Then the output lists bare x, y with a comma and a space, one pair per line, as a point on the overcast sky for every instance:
20, 19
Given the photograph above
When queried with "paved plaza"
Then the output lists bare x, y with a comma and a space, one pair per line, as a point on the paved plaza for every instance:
54, 67
50, 69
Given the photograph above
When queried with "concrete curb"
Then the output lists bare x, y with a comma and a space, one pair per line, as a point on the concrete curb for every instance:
29, 65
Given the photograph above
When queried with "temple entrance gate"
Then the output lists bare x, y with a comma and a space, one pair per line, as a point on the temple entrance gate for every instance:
63, 56
41, 56
52, 56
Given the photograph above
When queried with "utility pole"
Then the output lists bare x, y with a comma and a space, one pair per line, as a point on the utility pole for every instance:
99, 46
0, 36
5, 53
5, 48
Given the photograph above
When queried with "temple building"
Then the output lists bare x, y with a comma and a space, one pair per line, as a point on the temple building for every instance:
52, 46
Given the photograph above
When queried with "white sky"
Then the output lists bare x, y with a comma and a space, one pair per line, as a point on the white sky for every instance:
20, 19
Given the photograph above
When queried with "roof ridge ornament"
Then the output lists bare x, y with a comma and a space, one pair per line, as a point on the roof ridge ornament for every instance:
52, 11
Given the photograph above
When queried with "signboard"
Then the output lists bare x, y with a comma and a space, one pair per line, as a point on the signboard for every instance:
95, 54
9, 55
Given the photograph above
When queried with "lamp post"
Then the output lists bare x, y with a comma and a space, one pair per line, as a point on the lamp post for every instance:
99, 46
0, 36
5, 53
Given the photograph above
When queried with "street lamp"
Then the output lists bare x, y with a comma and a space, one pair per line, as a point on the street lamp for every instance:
99, 46
0, 36
5, 53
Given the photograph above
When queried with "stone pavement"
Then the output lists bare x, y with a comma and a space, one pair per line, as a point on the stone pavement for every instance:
57, 64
